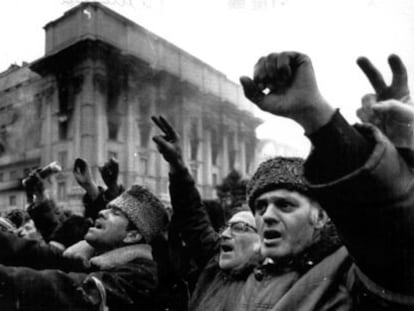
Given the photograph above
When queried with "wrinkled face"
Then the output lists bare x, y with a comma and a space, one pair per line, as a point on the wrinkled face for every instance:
287, 221
239, 242
28, 231
110, 229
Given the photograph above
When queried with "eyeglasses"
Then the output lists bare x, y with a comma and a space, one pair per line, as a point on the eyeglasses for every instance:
238, 227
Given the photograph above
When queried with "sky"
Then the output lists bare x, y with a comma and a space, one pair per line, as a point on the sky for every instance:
231, 35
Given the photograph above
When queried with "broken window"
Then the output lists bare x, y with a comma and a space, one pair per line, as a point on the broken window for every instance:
63, 127
194, 141
231, 149
215, 146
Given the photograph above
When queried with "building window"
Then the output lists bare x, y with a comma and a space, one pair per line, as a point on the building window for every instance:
143, 166
194, 141
112, 154
231, 149
215, 146
12, 200
63, 127
61, 191
63, 159
144, 133
113, 129
144, 110
194, 172
144, 125
1, 177
38, 107
13, 175
215, 179
249, 150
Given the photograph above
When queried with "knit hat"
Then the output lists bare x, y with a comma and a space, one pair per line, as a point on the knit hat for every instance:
144, 210
276, 173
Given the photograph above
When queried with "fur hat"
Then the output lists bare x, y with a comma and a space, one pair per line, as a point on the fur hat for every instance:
276, 173
144, 210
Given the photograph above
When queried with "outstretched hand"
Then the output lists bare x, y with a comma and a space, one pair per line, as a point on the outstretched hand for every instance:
398, 89
109, 172
168, 144
285, 85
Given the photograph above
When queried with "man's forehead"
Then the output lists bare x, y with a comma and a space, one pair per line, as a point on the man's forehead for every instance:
115, 208
244, 216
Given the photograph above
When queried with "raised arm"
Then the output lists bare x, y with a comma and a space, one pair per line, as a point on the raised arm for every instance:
189, 215
46, 216
368, 192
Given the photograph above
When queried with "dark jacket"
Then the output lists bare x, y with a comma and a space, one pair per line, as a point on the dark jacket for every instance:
35, 277
47, 217
215, 289
372, 207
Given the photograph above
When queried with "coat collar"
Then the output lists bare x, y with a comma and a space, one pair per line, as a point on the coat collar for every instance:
110, 259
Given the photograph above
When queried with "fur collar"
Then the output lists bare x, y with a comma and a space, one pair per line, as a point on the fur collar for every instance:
110, 259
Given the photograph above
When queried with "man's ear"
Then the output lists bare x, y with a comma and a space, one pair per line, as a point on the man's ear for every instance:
132, 237
318, 216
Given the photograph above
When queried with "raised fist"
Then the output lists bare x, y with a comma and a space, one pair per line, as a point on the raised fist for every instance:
284, 84
82, 173
109, 172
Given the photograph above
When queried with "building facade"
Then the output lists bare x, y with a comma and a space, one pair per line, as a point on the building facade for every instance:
92, 95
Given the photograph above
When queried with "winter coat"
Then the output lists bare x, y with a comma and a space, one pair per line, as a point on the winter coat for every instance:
215, 288
35, 277
372, 208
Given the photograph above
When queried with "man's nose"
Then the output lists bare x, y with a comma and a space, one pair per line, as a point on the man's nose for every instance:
226, 233
103, 213
270, 216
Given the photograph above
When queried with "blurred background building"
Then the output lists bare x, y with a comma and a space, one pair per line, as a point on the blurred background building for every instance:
92, 95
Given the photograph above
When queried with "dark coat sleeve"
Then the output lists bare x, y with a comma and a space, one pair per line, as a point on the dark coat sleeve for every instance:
129, 287
190, 218
16, 251
46, 217
373, 208
93, 207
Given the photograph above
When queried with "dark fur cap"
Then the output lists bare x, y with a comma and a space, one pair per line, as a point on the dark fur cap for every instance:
277, 173
144, 210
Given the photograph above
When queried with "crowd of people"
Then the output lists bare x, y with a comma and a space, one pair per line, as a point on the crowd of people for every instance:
330, 232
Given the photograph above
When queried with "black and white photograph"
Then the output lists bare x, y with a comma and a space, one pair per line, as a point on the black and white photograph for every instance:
221, 155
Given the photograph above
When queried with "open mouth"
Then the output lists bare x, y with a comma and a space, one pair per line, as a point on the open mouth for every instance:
271, 235
226, 248
98, 225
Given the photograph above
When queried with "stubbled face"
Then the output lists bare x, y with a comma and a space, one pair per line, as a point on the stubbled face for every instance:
240, 245
110, 229
29, 231
286, 222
